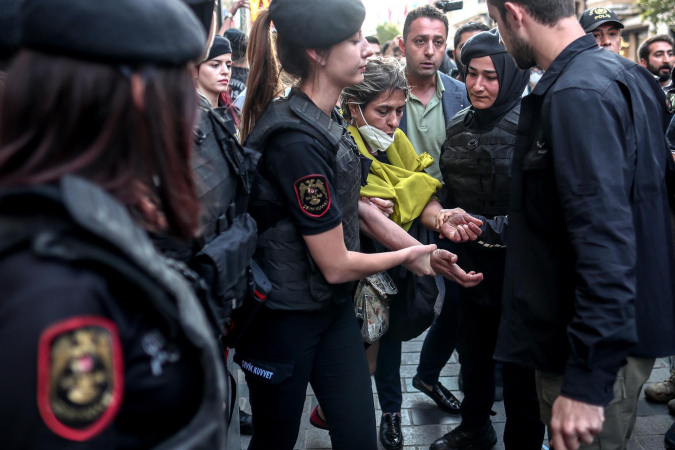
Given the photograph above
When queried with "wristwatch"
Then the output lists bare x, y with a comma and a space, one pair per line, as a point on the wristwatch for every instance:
229, 15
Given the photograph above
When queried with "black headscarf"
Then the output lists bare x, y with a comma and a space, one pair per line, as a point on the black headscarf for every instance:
512, 81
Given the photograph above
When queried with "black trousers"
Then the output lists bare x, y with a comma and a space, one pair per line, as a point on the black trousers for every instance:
477, 339
283, 351
436, 351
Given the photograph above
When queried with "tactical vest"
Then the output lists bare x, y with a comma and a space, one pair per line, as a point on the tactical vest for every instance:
223, 171
478, 165
297, 283
100, 231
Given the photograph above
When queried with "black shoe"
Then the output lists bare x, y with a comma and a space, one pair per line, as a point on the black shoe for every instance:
443, 397
245, 423
462, 439
669, 440
499, 384
391, 435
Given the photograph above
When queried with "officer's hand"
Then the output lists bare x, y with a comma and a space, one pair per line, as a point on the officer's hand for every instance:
444, 263
418, 259
461, 227
386, 207
573, 421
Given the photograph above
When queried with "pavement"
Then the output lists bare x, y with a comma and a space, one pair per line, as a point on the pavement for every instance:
423, 422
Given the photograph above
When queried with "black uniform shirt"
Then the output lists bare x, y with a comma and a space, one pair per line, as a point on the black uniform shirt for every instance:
301, 169
589, 268
64, 331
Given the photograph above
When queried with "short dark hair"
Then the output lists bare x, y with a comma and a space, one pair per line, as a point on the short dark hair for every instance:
430, 12
643, 50
546, 12
468, 28
372, 40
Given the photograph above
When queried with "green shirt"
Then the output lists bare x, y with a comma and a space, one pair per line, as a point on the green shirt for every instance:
426, 127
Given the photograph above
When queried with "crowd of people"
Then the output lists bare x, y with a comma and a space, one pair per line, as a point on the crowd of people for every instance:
178, 196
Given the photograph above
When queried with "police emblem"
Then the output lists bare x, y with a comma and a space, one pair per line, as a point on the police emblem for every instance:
313, 195
80, 376
669, 103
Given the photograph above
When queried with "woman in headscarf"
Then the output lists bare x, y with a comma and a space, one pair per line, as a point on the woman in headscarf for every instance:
476, 162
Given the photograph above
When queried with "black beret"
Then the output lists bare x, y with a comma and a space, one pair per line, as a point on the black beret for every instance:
482, 44
9, 23
594, 17
239, 42
163, 32
220, 46
317, 23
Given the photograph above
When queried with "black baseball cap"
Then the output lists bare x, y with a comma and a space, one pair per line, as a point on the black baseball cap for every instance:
594, 17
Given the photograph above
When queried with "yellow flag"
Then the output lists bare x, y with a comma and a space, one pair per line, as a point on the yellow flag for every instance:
257, 5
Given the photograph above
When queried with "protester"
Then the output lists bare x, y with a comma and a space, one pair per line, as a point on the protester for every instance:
229, 16
240, 67
577, 308
374, 45
111, 346
656, 55
374, 109
434, 99
605, 26
463, 34
305, 202
485, 134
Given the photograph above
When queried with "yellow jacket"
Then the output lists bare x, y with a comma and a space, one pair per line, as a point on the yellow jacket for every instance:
402, 181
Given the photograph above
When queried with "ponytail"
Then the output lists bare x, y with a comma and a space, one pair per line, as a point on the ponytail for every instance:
263, 83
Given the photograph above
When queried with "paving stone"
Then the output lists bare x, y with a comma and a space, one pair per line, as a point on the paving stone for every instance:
410, 359
317, 439
651, 442
433, 416
634, 444
646, 408
660, 363
450, 370
412, 347
424, 435
645, 426
659, 375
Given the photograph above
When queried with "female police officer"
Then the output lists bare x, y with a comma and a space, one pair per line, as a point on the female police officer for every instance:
305, 203
476, 161
104, 346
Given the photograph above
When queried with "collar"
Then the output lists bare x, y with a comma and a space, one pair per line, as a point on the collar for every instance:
556, 69
440, 87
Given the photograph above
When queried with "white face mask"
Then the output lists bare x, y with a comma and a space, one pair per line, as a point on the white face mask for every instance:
374, 137
535, 77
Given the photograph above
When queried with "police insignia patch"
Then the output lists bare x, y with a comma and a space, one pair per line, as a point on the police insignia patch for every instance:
669, 105
80, 376
313, 195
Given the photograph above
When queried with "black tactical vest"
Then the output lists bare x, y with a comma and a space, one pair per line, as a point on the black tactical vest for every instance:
100, 231
478, 165
297, 283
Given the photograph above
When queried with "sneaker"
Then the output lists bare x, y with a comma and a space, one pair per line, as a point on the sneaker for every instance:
662, 392
669, 440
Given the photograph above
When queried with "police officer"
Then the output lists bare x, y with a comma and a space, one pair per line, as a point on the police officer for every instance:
223, 173
305, 202
108, 345
605, 26
476, 163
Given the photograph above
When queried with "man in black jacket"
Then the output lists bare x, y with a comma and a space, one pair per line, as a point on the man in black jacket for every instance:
590, 276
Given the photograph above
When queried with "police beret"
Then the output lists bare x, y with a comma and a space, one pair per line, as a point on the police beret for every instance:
239, 42
594, 17
482, 44
220, 46
163, 32
317, 23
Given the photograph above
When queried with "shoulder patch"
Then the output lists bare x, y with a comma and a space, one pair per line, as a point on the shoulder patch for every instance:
80, 376
313, 196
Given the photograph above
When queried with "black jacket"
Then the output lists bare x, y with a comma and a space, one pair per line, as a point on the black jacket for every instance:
590, 274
